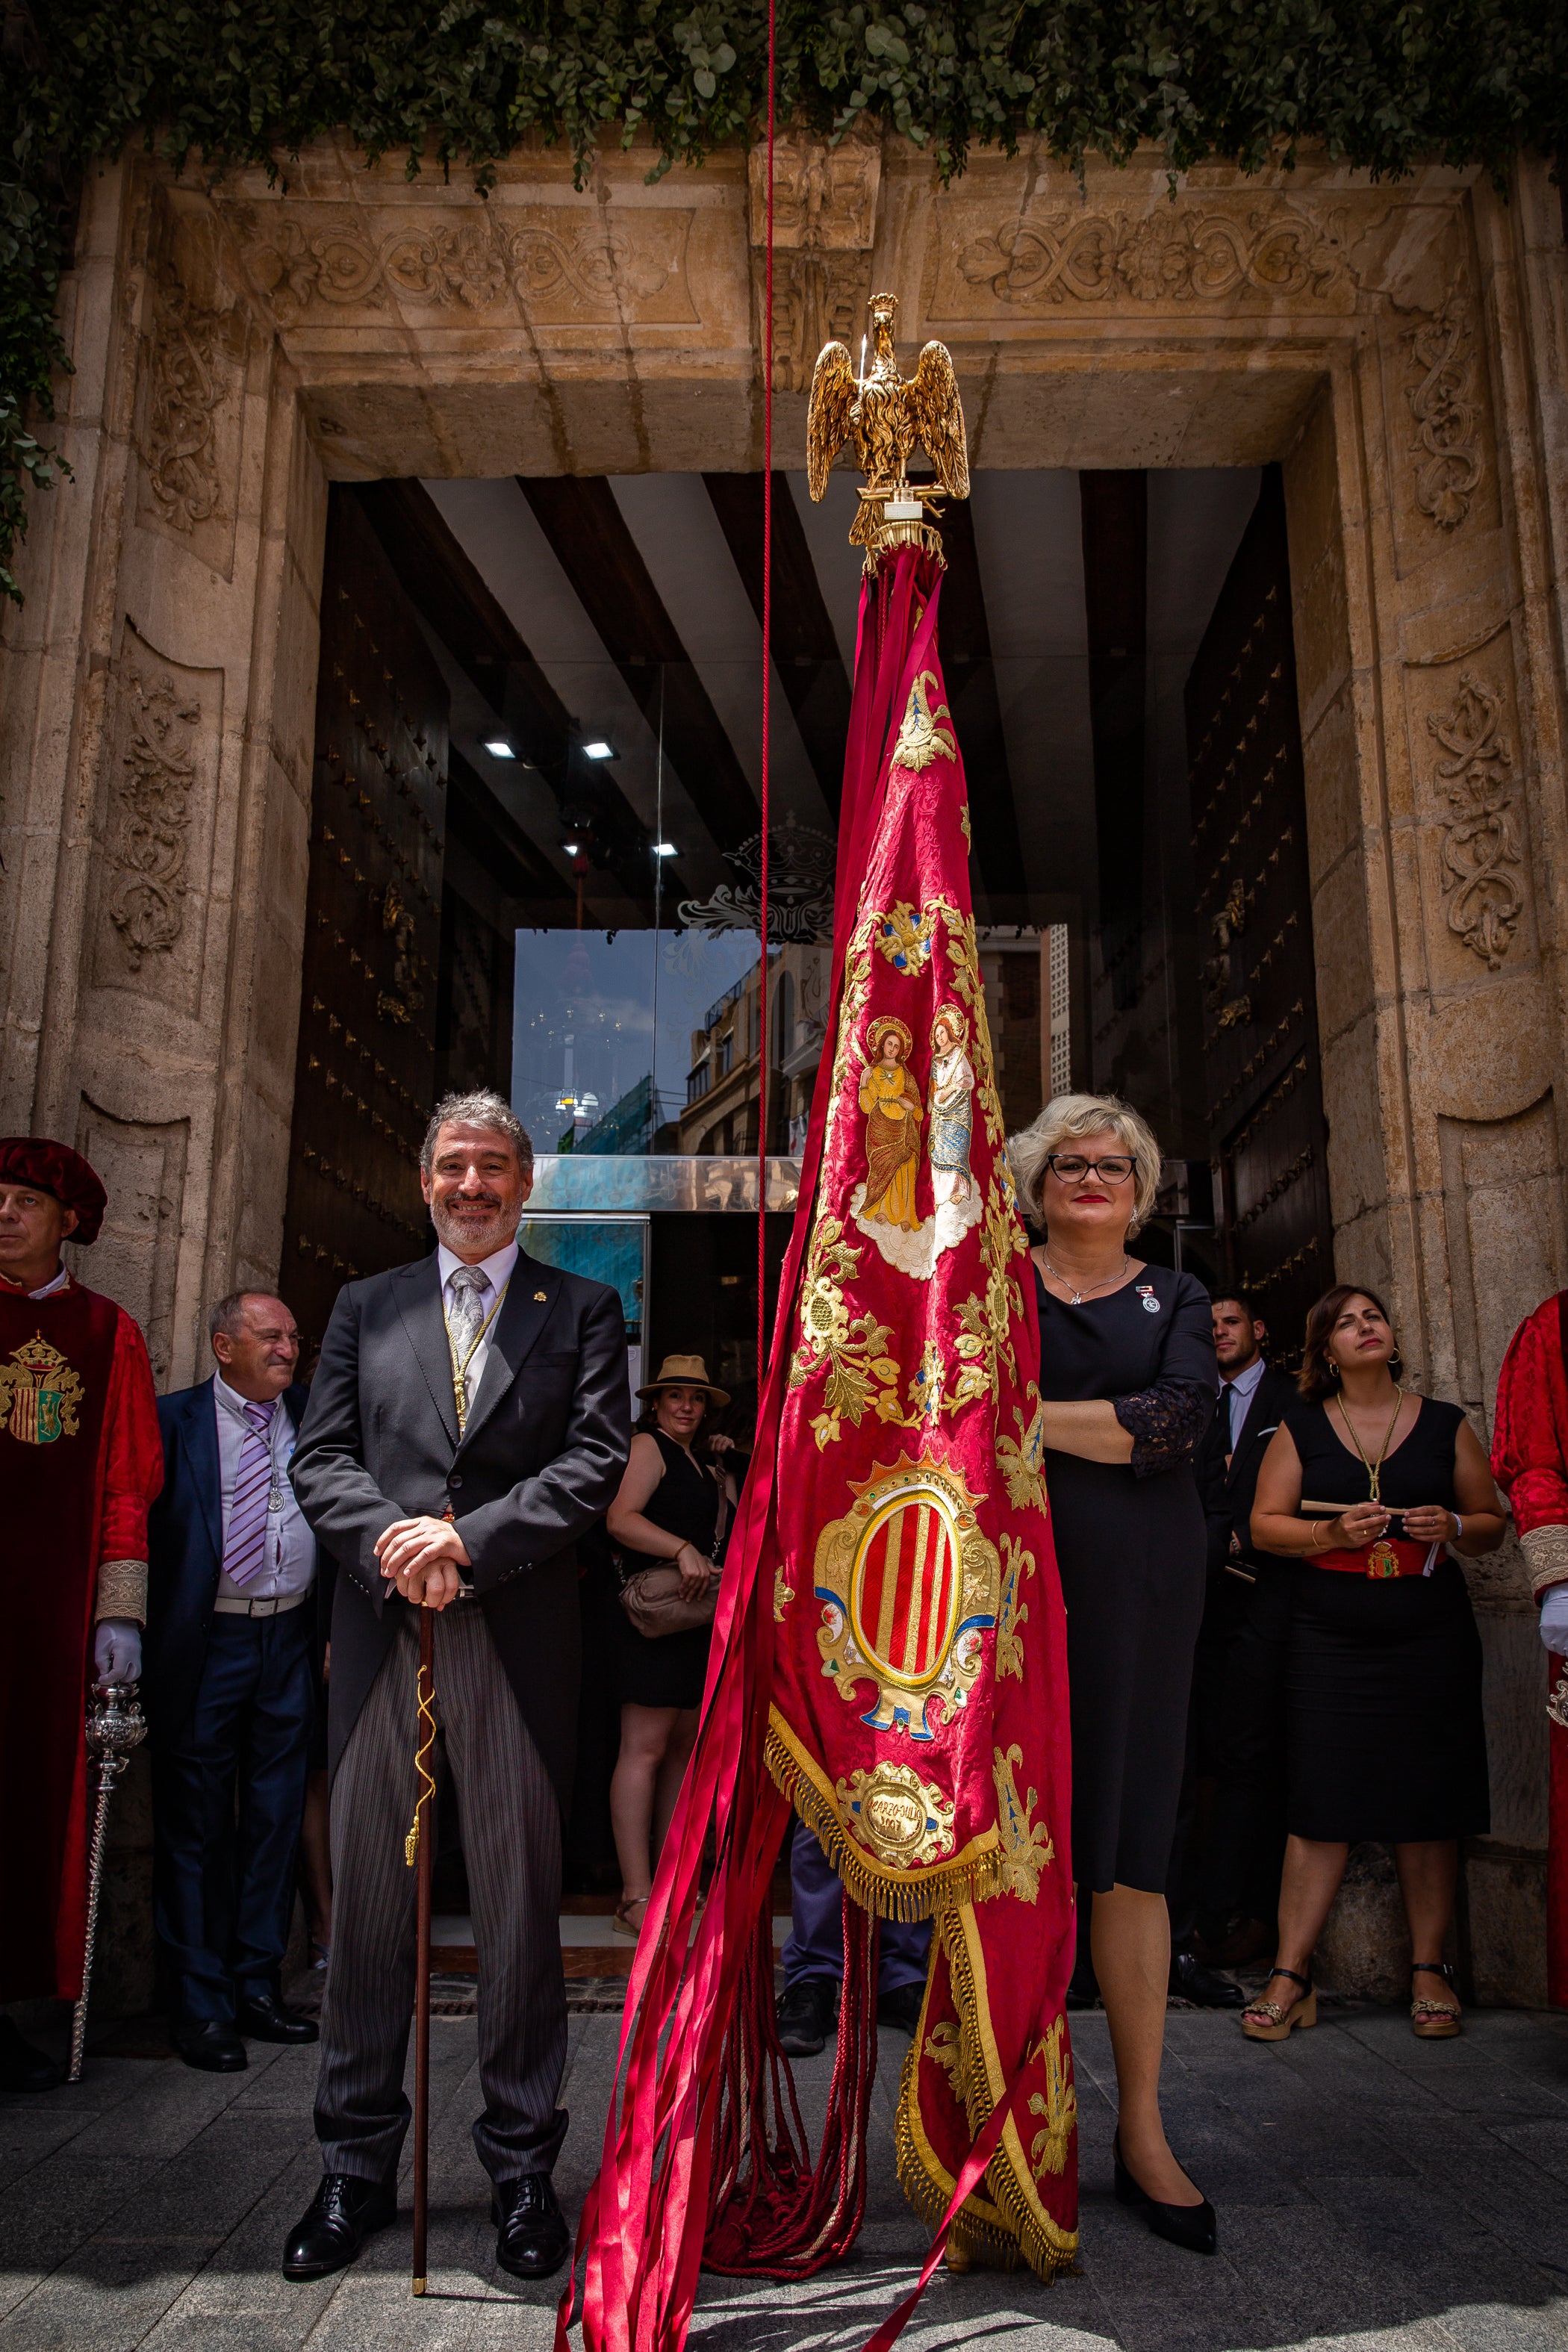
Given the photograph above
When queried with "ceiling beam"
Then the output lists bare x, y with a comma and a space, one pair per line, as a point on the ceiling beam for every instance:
965, 637
805, 650
594, 544
1114, 504
457, 603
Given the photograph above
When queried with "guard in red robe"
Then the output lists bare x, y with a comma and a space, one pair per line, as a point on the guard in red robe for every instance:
1529, 1463
80, 1460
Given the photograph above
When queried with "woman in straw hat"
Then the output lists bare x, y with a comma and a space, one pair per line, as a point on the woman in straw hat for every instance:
674, 1506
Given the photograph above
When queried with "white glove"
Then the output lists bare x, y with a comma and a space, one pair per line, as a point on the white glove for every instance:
117, 1651
1555, 1620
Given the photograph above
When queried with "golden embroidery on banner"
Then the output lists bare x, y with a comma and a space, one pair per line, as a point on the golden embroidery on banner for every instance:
896, 1815
905, 938
1016, 1563
944, 2046
39, 1393
1027, 1846
1058, 2103
921, 739
1018, 1459
861, 1375
908, 1584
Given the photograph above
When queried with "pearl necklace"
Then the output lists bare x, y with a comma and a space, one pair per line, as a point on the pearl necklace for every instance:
1080, 1296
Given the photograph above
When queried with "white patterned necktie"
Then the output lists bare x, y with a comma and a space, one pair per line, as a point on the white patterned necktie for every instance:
466, 1314
245, 1553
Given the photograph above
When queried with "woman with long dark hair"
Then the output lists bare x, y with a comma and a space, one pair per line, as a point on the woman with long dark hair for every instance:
1372, 1489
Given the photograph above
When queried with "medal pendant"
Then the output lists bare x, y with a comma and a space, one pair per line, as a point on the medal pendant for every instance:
275, 1498
1383, 1560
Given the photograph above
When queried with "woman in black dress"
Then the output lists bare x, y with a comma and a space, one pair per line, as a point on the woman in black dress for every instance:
669, 1508
1128, 1382
1372, 1489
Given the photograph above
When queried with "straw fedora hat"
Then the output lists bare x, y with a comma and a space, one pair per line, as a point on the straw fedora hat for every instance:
685, 1373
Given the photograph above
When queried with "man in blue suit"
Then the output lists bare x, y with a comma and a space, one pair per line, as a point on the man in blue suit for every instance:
229, 1680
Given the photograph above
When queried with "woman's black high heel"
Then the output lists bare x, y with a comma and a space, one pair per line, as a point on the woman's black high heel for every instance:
1189, 2226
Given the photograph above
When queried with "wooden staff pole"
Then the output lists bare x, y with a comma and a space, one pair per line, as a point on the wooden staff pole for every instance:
423, 1834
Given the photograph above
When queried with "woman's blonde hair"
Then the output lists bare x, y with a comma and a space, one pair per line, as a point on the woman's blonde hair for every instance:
1068, 1120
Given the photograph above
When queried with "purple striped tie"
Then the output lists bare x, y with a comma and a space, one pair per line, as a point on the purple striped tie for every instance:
245, 1553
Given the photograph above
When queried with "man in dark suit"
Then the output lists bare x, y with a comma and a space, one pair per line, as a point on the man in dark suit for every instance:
1246, 1628
470, 1419
228, 1679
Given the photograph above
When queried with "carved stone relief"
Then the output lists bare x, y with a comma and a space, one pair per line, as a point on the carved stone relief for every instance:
1445, 408
825, 222
558, 266
135, 1257
1482, 857
156, 823
1185, 252
190, 393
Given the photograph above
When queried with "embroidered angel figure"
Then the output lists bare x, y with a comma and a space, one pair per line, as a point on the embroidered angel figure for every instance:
952, 1105
891, 1102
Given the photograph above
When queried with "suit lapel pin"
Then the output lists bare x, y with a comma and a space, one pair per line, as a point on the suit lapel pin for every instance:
539, 1298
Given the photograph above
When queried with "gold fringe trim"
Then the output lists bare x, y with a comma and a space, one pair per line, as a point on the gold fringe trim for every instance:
890, 1894
1006, 2227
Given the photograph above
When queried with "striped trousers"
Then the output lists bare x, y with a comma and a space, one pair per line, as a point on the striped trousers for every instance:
511, 1846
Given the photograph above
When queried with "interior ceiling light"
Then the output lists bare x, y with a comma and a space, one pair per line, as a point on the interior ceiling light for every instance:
665, 849
598, 750
498, 748
569, 849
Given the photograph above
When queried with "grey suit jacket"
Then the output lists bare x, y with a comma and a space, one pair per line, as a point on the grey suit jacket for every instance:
547, 1439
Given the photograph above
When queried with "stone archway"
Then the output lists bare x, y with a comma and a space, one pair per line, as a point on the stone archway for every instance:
1400, 349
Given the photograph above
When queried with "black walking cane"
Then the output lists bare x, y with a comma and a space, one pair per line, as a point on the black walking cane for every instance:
419, 1852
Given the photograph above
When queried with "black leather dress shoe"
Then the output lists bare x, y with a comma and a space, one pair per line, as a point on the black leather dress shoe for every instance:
215, 2048
1190, 1980
336, 2224
263, 2017
1191, 2227
533, 2240
901, 2008
23, 2068
808, 2014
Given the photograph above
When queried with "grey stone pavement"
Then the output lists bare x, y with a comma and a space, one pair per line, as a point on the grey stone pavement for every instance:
1373, 2191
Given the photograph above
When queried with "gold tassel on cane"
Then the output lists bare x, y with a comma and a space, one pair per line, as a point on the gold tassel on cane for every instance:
421, 1764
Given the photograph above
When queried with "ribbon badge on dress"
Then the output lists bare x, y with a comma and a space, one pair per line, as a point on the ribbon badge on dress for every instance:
39, 1393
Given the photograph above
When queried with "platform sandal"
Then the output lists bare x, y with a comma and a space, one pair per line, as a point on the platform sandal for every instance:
1271, 2020
1434, 2021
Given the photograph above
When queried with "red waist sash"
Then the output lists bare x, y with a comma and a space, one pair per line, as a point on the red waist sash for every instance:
1390, 1555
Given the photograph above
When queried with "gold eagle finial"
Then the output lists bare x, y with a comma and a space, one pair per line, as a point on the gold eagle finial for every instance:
888, 419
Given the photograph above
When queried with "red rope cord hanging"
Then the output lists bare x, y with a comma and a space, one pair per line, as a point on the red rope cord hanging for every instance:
763, 1043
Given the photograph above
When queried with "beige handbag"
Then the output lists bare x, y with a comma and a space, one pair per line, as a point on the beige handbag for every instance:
652, 1598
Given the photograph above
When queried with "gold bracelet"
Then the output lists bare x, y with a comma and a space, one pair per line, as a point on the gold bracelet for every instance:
1317, 1526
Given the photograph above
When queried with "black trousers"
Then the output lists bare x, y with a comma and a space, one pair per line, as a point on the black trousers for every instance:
1239, 1875
227, 1797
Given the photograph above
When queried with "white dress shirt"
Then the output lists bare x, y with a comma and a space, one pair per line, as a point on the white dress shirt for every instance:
1238, 1395
288, 1563
497, 1269
58, 1281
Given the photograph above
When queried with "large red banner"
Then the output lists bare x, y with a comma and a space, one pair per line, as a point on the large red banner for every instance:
890, 1653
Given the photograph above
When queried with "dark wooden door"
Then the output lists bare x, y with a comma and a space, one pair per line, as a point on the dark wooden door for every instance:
1268, 1132
365, 1071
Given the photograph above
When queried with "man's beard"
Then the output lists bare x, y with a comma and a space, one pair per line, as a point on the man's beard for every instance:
461, 1234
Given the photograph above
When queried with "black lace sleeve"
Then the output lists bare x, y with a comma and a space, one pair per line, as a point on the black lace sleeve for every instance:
1165, 1421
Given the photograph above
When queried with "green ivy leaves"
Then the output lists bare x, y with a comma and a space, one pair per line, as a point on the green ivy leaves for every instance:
1382, 84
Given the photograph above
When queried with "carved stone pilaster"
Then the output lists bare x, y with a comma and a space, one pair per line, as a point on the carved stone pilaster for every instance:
825, 222
1445, 408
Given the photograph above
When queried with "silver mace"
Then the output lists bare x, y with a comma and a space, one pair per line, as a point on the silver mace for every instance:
115, 1726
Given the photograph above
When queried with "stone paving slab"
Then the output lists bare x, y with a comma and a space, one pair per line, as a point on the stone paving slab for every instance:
1375, 2194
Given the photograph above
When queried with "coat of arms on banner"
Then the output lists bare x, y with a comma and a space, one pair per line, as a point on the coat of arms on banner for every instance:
41, 1392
